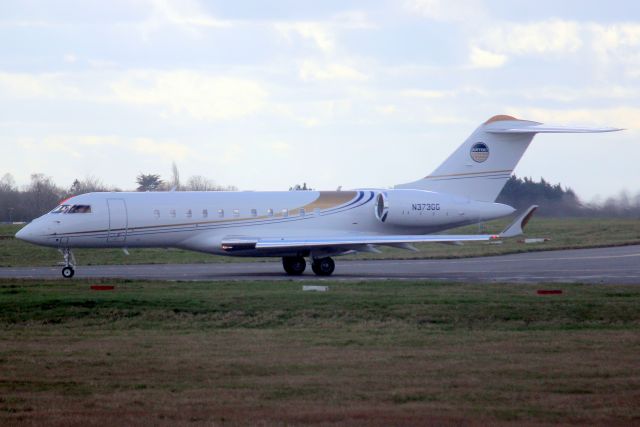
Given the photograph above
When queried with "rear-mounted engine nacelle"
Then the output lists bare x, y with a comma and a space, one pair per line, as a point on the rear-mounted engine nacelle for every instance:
427, 208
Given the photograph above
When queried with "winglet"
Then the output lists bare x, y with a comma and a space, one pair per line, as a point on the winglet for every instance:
515, 229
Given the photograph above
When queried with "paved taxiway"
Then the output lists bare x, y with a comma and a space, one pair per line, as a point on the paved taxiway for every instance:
619, 265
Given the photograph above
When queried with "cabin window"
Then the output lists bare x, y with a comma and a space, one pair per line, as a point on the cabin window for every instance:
172, 213
205, 213
254, 212
156, 213
285, 212
302, 212
221, 213
188, 213
269, 212
236, 213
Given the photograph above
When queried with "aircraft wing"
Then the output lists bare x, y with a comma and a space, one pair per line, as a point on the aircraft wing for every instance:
344, 243
360, 242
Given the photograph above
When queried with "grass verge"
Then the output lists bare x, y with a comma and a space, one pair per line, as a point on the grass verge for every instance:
374, 353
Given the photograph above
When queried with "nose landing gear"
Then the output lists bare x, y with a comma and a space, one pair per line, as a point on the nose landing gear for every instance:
69, 263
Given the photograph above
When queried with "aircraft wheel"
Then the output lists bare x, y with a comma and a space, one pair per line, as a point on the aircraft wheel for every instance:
68, 272
294, 265
323, 266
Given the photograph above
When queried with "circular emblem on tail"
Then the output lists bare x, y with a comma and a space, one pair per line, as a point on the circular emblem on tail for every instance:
479, 152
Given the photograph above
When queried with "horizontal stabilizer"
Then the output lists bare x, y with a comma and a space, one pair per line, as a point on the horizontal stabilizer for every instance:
533, 127
516, 227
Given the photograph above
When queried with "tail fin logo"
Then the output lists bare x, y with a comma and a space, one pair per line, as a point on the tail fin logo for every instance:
479, 152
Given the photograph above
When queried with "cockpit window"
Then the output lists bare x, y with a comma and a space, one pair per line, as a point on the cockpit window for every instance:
72, 209
61, 209
80, 209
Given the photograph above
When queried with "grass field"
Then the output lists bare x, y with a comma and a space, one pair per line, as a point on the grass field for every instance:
380, 353
564, 233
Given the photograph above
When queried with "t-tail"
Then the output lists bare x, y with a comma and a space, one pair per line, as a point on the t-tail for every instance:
481, 166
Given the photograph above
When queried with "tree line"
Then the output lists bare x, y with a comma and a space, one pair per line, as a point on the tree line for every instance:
557, 201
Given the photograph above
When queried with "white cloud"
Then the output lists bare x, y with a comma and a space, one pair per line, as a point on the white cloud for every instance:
618, 44
94, 140
623, 117
552, 36
481, 58
185, 15
610, 38
25, 85
203, 96
166, 150
321, 34
387, 110
573, 94
441, 93
352, 19
427, 94
101, 64
446, 10
312, 70
610, 44
280, 147
78, 146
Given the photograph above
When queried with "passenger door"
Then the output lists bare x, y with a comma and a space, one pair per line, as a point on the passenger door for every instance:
118, 221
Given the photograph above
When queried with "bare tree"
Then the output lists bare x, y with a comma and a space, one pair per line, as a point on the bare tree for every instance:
41, 195
88, 184
175, 177
201, 183
10, 206
7, 183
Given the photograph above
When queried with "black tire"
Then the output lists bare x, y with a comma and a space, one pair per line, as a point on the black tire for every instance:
294, 265
323, 266
68, 272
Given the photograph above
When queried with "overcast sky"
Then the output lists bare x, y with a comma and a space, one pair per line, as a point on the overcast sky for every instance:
266, 94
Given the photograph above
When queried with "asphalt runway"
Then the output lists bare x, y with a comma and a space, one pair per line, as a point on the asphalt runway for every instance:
619, 265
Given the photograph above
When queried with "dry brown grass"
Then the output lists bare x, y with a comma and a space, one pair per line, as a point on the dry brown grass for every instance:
262, 376
325, 370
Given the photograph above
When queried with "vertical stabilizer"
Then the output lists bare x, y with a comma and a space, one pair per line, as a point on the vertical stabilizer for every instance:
481, 166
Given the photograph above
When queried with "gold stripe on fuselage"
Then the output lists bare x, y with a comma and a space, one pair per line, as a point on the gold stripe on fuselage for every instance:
330, 199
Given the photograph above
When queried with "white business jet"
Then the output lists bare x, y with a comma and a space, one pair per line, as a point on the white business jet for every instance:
296, 225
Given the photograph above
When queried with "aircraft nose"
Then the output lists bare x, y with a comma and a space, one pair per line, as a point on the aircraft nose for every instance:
27, 234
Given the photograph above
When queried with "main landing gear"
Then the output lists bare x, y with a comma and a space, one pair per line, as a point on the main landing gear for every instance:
295, 265
69, 262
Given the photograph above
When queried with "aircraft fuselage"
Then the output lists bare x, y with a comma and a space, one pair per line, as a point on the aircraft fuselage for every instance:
201, 220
